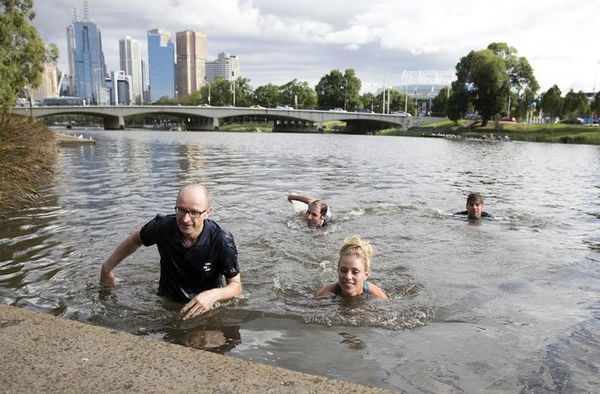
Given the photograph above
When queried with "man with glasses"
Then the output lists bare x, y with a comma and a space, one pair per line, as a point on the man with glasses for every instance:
195, 254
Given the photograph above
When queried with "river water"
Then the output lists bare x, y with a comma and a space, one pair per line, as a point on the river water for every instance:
509, 305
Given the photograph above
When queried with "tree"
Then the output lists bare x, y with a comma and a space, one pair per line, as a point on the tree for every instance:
368, 100
194, 98
22, 51
267, 95
575, 104
458, 103
595, 106
490, 77
552, 102
396, 99
523, 85
337, 90
484, 76
352, 87
295, 93
439, 104
222, 92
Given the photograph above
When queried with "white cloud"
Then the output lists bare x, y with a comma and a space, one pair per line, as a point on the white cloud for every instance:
314, 35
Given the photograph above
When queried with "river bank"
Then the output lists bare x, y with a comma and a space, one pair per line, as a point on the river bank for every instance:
554, 133
27, 156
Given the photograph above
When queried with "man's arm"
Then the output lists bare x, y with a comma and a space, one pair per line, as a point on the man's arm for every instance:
204, 301
125, 248
301, 197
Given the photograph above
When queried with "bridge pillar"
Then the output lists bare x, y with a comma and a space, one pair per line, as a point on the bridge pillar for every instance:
202, 124
114, 123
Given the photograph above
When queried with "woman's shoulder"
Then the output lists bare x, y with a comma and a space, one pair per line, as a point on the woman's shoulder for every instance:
326, 291
376, 291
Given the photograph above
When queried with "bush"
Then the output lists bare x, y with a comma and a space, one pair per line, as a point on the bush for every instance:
27, 156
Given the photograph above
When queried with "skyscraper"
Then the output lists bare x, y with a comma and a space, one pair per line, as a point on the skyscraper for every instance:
49, 84
86, 60
225, 66
131, 64
161, 64
191, 61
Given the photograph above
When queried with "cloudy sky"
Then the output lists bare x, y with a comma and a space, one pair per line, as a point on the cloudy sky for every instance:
279, 40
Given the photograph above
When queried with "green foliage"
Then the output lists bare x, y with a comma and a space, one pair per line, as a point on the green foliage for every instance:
297, 94
595, 106
195, 98
489, 77
575, 104
397, 102
22, 51
552, 102
267, 95
337, 90
222, 92
368, 100
439, 103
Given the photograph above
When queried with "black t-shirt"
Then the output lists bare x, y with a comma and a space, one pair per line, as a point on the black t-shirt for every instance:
185, 272
483, 214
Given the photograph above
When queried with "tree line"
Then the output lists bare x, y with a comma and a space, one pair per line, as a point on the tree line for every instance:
334, 90
497, 82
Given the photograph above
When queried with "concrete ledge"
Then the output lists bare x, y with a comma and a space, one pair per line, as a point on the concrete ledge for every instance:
42, 353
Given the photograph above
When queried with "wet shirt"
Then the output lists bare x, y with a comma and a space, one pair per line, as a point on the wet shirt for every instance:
185, 272
337, 290
483, 214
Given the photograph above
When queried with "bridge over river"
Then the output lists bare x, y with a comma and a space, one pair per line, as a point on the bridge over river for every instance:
208, 118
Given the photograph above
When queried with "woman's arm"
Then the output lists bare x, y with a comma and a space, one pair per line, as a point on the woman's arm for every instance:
376, 292
326, 291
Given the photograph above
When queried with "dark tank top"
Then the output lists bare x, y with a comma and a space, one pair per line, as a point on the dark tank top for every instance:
366, 293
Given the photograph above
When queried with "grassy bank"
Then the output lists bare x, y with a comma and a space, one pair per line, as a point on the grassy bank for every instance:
561, 133
247, 127
27, 155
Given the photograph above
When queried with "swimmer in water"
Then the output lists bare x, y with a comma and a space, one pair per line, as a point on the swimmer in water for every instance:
354, 268
475, 206
316, 214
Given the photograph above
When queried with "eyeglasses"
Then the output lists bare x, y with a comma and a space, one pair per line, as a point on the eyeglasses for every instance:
193, 214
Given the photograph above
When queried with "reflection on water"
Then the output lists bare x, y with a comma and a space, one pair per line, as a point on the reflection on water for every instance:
507, 305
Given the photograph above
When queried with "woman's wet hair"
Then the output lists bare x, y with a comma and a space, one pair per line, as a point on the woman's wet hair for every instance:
356, 246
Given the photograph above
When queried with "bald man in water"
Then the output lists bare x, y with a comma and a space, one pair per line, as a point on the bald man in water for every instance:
195, 254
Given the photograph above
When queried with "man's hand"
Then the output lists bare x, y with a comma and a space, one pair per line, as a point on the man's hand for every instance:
201, 303
107, 278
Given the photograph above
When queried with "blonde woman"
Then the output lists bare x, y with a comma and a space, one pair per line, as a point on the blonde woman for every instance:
354, 268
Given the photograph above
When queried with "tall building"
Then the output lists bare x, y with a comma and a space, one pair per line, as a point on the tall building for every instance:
131, 64
49, 84
225, 66
161, 64
191, 61
120, 88
86, 60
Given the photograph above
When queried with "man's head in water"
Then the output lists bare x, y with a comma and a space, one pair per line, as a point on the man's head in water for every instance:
474, 205
316, 213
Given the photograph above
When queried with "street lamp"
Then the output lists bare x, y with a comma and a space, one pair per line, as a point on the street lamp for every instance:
208, 83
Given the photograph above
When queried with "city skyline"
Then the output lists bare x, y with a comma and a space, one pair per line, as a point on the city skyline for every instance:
279, 42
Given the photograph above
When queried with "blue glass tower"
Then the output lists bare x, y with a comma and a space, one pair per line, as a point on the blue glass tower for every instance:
161, 64
86, 62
